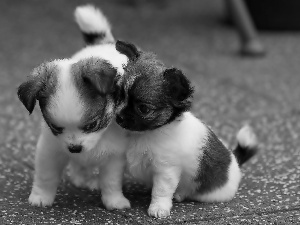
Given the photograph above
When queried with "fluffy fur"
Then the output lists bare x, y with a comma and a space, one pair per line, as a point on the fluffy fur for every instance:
170, 149
77, 101
93, 25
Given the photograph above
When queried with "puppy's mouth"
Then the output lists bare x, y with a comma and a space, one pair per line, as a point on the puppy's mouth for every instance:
75, 148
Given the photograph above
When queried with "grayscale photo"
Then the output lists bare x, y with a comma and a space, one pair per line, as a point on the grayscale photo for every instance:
150, 112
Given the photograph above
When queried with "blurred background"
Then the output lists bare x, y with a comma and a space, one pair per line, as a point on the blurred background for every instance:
203, 38
189, 34
195, 36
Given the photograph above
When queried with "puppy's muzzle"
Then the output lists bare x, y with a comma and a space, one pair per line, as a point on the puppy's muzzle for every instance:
75, 148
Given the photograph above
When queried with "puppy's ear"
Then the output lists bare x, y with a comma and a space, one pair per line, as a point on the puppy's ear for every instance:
128, 49
28, 92
100, 75
179, 88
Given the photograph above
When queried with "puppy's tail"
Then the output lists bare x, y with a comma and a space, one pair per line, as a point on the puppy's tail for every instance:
93, 25
247, 145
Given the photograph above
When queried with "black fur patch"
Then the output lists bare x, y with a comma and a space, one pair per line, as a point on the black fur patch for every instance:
128, 49
147, 83
56, 130
93, 38
243, 154
132, 119
143, 84
40, 86
94, 79
180, 91
214, 165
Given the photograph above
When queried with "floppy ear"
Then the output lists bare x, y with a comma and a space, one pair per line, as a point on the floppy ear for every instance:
179, 88
128, 49
28, 92
100, 75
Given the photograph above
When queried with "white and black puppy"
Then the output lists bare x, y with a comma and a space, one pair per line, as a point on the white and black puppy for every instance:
76, 98
170, 148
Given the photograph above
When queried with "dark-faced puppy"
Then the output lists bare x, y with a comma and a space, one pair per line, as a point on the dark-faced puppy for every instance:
154, 95
170, 148
77, 101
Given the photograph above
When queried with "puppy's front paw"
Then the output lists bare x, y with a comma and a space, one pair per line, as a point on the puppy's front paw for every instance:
115, 202
41, 199
159, 210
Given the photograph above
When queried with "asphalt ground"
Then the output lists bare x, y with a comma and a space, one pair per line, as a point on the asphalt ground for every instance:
229, 91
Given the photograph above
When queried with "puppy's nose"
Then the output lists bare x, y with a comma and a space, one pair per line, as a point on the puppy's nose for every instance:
75, 148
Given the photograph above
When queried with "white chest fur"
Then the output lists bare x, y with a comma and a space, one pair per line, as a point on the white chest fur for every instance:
177, 144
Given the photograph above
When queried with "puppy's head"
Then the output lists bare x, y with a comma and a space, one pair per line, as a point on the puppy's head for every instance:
153, 95
75, 99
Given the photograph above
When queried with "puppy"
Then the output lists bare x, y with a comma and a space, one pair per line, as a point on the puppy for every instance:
170, 148
77, 101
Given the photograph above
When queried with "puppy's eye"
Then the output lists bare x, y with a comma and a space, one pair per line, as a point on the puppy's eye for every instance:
55, 129
144, 109
91, 127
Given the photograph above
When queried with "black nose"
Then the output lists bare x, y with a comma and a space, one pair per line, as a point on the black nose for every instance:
75, 148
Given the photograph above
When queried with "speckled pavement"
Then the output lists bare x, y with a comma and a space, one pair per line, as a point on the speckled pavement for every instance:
230, 91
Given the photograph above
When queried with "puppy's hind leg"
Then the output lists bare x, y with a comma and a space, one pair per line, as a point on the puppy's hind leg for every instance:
111, 184
49, 164
225, 192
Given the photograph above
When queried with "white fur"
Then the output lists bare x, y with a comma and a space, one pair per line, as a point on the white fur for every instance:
67, 109
49, 163
156, 157
246, 137
103, 151
66, 106
167, 146
91, 20
107, 52
168, 158
107, 156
